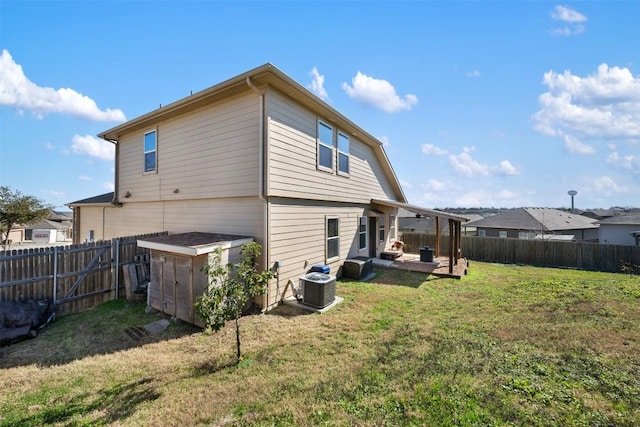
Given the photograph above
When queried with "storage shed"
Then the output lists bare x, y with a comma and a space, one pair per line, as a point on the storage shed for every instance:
177, 279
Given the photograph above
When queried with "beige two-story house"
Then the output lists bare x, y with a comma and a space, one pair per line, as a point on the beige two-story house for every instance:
257, 155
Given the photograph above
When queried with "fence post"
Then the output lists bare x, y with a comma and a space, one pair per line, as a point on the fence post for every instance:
115, 265
55, 280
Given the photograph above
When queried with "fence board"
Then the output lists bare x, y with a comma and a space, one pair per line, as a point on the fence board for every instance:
543, 253
29, 273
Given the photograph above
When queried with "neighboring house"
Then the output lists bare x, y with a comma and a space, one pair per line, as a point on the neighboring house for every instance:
58, 224
600, 213
47, 231
257, 155
527, 223
620, 229
89, 218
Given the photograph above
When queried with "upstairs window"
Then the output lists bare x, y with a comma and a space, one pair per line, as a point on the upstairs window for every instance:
333, 238
150, 151
343, 153
325, 147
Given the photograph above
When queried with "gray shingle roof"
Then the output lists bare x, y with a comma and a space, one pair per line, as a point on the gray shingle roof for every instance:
546, 219
102, 198
630, 218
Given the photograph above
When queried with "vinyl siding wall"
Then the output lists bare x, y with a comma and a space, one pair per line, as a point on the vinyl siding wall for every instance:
298, 239
618, 234
243, 216
210, 153
292, 160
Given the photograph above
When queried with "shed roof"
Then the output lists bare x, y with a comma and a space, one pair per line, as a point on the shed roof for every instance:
193, 243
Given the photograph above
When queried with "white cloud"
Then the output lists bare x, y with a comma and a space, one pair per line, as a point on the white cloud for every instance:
506, 168
573, 19
385, 141
602, 106
93, 147
574, 145
564, 14
85, 178
436, 185
317, 84
109, 186
379, 93
607, 185
506, 195
464, 164
405, 184
48, 145
474, 73
629, 162
18, 92
430, 149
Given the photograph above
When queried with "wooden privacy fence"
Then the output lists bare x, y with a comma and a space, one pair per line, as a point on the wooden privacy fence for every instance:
75, 278
542, 253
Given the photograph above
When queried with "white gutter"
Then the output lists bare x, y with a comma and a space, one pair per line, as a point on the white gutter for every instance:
115, 174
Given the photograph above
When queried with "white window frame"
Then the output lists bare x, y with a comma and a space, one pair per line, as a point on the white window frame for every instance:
154, 151
482, 233
503, 234
381, 229
325, 144
363, 225
346, 154
328, 238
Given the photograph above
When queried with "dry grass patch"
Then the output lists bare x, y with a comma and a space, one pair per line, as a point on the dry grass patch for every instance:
505, 345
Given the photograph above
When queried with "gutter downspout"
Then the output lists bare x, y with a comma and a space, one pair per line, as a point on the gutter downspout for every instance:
262, 144
115, 201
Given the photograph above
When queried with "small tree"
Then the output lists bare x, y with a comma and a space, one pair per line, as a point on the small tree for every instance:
230, 287
16, 208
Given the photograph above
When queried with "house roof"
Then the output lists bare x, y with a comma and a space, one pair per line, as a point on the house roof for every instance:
45, 224
260, 77
545, 219
102, 199
60, 216
630, 218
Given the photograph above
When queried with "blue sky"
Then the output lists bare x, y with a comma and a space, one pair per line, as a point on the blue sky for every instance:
478, 103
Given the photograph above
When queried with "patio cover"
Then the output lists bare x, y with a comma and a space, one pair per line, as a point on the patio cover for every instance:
455, 227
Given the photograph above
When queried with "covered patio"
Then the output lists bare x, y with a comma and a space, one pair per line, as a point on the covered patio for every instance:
439, 267
451, 264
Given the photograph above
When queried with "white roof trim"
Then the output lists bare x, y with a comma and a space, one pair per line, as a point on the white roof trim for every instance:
194, 250
420, 210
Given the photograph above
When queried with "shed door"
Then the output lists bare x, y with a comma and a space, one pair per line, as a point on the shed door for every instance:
168, 285
183, 289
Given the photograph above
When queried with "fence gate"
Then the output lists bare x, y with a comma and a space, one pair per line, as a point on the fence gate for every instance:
75, 278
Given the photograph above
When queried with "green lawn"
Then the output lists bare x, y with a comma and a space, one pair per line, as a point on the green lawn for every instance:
506, 345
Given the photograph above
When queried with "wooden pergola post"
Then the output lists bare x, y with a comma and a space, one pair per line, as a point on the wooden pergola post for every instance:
437, 248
